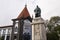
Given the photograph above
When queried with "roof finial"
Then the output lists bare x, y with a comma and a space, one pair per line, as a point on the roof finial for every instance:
25, 5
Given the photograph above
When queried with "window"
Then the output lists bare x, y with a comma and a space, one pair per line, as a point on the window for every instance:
0, 31
4, 31
9, 31
16, 27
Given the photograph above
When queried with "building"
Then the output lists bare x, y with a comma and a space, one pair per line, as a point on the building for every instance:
6, 31
24, 28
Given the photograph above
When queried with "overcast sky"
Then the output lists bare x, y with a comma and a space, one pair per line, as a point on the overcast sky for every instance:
10, 9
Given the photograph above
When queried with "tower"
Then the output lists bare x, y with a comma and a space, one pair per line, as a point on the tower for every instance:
38, 26
21, 26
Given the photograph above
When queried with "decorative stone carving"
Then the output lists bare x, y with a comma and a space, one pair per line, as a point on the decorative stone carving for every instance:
38, 29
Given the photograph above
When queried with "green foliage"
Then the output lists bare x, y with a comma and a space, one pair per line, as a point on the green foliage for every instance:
54, 19
50, 27
57, 28
52, 22
52, 36
53, 30
0, 38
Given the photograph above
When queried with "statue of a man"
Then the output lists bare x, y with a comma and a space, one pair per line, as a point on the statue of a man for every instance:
37, 12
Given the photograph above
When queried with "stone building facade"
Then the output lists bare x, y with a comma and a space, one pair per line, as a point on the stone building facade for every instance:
10, 32
5, 32
22, 27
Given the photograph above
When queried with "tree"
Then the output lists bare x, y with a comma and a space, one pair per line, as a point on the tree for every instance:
52, 36
1, 38
54, 19
52, 22
53, 30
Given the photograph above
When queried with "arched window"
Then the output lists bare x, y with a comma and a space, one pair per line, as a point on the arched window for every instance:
16, 29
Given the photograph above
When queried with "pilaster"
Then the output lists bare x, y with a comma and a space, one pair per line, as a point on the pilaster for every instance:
6, 34
12, 34
20, 30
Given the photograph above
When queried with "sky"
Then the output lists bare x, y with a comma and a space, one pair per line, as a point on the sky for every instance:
10, 9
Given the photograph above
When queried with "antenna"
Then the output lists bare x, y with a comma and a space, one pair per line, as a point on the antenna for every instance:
25, 5
26, 2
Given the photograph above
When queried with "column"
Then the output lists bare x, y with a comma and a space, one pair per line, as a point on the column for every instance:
6, 34
2, 32
41, 32
20, 30
32, 32
12, 34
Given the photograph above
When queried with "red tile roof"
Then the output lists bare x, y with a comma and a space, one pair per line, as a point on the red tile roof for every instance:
24, 14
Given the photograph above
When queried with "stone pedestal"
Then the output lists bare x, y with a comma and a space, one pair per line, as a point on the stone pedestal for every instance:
38, 29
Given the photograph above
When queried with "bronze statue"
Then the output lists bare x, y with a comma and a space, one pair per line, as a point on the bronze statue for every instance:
37, 12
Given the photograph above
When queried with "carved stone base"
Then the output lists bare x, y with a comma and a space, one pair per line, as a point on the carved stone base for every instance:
38, 29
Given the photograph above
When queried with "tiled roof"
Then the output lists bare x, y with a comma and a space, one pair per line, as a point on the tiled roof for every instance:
24, 14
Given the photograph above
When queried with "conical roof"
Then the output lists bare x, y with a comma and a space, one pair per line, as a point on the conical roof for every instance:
24, 14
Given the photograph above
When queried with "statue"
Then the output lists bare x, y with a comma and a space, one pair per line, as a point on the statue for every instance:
37, 12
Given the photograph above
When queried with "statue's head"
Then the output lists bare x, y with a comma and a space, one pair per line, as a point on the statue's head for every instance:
37, 12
